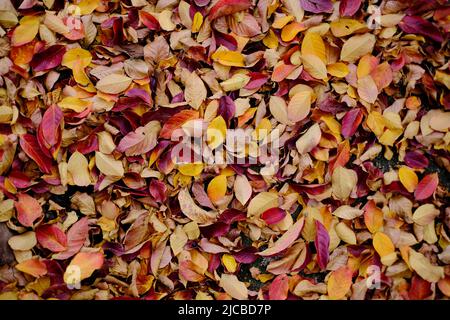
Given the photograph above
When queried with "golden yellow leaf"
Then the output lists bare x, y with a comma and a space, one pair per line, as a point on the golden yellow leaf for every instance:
289, 31
313, 44
217, 188
357, 46
26, 31
338, 69
385, 248
339, 283
229, 262
315, 67
191, 169
197, 22
408, 178
344, 27
216, 132
229, 58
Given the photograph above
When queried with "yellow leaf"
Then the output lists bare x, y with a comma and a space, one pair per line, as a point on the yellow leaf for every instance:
270, 40
290, 31
87, 6
338, 69
108, 165
197, 22
74, 104
78, 168
420, 264
344, 27
367, 89
281, 22
26, 31
77, 57
408, 178
217, 188
313, 44
366, 65
229, 58
345, 233
262, 202
299, 106
375, 122
113, 83
343, 181
216, 132
315, 67
385, 248
357, 46
262, 129
191, 169
339, 283
425, 214
229, 262
235, 288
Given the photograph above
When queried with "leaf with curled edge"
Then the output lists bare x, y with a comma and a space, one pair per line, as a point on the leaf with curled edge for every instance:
322, 243
30, 146
227, 7
76, 237
285, 240
49, 131
194, 212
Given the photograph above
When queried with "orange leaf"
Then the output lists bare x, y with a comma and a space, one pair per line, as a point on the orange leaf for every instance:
33, 266
86, 263
339, 283
176, 122
28, 209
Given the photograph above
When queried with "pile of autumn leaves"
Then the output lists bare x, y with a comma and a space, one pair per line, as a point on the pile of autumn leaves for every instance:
326, 85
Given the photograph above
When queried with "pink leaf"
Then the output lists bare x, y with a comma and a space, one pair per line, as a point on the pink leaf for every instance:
76, 236
427, 186
48, 59
279, 288
322, 242
348, 8
28, 209
227, 7
49, 132
158, 190
273, 215
51, 237
285, 240
30, 146
351, 121
418, 25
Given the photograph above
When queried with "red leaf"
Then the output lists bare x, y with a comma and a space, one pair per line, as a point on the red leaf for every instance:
420, 289
418, 25
48, 58
351, 121
348, 8
158, 190
322, 242
176, 122
51, 237
76, 236
28, 209
427, 186
227, 7
49, 132
273, 215
30, 146
279, 288
149, 21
